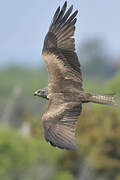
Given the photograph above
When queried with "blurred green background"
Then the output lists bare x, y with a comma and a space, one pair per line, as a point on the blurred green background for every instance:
24, 153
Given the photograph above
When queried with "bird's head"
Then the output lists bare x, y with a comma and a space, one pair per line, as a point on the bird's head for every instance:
41, 93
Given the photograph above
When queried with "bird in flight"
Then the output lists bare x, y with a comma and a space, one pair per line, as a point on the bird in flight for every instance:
64, 91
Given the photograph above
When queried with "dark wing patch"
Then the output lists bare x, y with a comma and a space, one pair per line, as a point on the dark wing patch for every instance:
59, 129
61, 30
61, 136
60, 40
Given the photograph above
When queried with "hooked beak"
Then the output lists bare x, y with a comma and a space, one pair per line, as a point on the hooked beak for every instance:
36, 93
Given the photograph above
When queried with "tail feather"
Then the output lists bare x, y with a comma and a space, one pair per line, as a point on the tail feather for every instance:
108, 99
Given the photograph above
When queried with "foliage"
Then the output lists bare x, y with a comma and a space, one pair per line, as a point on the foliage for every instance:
114, 84
65, 175
25, 158
27, 79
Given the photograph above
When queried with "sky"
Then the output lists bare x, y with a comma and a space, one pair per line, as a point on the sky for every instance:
24, 24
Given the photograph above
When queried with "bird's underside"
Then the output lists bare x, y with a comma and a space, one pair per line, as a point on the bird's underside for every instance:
64, 92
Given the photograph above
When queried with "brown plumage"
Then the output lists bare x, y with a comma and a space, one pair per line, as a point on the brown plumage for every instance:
64, 91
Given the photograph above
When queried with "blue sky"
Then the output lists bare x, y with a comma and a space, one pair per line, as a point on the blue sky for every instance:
24, 23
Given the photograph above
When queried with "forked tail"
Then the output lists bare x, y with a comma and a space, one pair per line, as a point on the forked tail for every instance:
108, 99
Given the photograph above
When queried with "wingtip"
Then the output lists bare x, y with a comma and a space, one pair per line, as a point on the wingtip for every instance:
73, 148
58, 9
71, 7
76, 12
65, 4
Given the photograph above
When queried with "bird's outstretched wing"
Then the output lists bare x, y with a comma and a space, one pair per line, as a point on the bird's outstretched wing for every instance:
59, 49
59, 123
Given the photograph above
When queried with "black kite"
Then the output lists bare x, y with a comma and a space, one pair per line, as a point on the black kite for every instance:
64, 92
